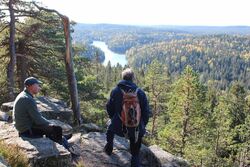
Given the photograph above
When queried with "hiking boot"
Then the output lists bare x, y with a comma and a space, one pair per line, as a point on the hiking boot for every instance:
108, 149
75, 150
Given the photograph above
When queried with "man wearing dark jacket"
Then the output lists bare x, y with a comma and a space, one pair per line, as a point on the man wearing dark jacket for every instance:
114, 108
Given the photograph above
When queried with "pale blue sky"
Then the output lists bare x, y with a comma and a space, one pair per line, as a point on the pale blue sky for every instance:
155, 12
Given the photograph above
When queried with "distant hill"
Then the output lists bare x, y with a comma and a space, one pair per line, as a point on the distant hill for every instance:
233, 30
243, 30
121, 38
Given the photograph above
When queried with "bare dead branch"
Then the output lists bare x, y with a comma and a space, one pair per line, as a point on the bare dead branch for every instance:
1, 17
25, 15
48, 10
23, 11
20, 55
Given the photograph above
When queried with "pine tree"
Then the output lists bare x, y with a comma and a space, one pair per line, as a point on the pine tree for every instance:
157, 82
108, 77
186, 114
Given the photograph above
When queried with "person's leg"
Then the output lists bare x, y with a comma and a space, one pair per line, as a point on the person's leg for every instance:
135, 150
37, 132
109, 146
53, 132
30, 134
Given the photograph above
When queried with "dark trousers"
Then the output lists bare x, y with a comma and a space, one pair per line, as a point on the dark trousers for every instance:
134, 147
53, 132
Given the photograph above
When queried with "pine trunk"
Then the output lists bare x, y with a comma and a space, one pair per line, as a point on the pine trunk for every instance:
21, 64
12, 62
70, 72
154, 117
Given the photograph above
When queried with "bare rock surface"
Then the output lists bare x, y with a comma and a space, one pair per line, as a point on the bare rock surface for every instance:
92, 154
40, 151
90, 141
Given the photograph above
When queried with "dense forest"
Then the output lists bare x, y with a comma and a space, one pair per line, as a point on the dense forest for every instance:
197, 83
220, 56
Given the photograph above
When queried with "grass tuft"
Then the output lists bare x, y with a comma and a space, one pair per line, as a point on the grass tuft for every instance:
13, 155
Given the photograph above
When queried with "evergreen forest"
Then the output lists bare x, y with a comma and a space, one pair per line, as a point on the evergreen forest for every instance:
197, 79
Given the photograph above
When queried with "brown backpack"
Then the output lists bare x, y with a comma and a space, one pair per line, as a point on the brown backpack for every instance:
131, 110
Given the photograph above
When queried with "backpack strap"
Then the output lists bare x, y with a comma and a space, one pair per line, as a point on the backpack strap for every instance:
123, 91
137, 89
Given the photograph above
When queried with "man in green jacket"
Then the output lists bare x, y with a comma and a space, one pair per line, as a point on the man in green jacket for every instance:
28, 120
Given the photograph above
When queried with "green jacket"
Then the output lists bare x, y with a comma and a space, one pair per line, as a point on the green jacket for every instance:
26, 114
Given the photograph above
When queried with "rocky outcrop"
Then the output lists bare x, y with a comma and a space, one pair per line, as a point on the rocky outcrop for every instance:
66, 128
40, 151
44, 152
54, 109
92, 144
49, 107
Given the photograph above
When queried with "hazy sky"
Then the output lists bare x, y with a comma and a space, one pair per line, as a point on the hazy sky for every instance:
155, 12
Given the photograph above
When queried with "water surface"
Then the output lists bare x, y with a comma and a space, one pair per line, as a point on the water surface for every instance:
111, 56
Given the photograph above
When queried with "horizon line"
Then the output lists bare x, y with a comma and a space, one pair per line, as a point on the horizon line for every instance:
179, 25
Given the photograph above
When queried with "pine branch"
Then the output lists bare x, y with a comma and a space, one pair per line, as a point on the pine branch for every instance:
25, 15
1, 17
4, 9
4, 28
26, 34
36, 46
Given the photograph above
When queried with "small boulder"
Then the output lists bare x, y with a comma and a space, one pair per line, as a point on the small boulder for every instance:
67, 129
52, 108
49, 107
90, 127
6, 107
4, 116
166, 159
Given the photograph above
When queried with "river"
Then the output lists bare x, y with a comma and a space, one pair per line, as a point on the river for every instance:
111, 56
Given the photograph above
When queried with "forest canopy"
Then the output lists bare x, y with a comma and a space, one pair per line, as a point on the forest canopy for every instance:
197, 79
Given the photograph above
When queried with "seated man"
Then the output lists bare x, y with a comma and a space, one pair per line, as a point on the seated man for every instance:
28, 120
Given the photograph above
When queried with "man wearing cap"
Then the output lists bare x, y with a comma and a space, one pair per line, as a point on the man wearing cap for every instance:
28, 120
